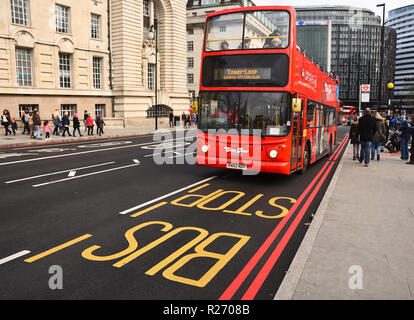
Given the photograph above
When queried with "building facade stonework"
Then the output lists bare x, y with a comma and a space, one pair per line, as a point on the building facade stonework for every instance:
92, 55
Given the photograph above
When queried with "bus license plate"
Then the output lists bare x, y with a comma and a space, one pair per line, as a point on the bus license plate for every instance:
236, 166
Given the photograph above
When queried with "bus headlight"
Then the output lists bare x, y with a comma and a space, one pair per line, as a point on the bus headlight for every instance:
204, 148
273, 154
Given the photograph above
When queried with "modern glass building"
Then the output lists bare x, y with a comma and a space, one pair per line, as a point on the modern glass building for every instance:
347, 41
402, 20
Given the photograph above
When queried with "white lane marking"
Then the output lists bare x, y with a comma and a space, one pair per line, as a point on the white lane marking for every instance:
84, 175
59, 172
4, 155
166, 196
14, 256
84, 152
72, 174
136, 161
160, 153
181, 155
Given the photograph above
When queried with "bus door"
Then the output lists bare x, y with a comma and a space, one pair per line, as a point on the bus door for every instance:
297, 137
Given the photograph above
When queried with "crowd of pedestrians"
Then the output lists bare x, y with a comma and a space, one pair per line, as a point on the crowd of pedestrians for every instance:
371, 132
32, 124
186, 119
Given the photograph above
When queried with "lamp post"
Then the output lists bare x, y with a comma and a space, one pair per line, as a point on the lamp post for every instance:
153, 35
381, 54
390, 86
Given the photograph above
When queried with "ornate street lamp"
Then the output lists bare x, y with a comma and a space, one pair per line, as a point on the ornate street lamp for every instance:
153, 35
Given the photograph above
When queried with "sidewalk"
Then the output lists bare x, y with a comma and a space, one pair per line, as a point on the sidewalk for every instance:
20, 140
365, 223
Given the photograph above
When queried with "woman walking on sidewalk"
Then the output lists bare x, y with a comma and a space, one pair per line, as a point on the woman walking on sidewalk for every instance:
89, 123
353, 134
31, 125
36, 124
76, 125
379, 136
6, 121
56, 120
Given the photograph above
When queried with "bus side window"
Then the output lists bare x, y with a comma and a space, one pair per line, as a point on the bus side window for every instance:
320, 116
310, 115
326, 115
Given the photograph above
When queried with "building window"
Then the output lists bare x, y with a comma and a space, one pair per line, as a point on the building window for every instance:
190, 62
223, 28
24, 66
151, 76
65, 70
190, 78
27, 108
100, 109
62, 19
146, 12
97, 70
20, 12
190, 31
69, 108
190, 46
95, 26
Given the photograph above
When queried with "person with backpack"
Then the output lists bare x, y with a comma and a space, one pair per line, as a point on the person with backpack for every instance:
366, 131
66, 124
14, 126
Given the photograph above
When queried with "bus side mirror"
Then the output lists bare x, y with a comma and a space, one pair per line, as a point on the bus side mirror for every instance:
296, 105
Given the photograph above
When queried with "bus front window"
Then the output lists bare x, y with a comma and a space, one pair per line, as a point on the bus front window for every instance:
262, 30
245, 111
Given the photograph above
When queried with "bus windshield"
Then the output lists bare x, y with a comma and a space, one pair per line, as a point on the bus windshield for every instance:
268, 111
248, 30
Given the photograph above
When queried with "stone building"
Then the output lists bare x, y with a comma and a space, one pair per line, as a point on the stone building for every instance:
92, 55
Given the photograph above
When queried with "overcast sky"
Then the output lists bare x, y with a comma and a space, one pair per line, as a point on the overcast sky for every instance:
369, 4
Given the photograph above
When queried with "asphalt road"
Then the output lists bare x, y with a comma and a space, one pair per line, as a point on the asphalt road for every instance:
102, 220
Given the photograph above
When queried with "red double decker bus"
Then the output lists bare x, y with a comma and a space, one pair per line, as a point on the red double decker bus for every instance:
264, 104
349, 111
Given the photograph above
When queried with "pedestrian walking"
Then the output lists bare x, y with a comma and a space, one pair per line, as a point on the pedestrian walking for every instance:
66, 124
379, 136
14, 126
353, 135
76, 125
47, 129
99, 124
366, 131
25, 119
6, 121
183, 119
89, 123
405, 138
411, 117
195, 119
37, 122
57, 119
31, 125
85, 117
171, 116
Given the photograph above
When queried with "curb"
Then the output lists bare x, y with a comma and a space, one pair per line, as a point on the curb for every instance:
295, 271
107, 137
31, 144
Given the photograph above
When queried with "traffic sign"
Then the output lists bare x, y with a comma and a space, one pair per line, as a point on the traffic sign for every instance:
365, 88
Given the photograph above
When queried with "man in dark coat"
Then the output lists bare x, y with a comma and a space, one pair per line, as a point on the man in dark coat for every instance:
366, 131
411, 130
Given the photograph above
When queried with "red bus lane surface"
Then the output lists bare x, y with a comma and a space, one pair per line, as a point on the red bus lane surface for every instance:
260, 278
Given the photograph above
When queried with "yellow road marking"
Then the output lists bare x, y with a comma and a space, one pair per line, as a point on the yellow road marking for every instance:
198, 188
148, 209
58, 248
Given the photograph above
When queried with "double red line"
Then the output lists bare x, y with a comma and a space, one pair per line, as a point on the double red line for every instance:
271, 261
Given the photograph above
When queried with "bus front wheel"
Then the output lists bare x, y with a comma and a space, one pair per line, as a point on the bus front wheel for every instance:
306, 159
